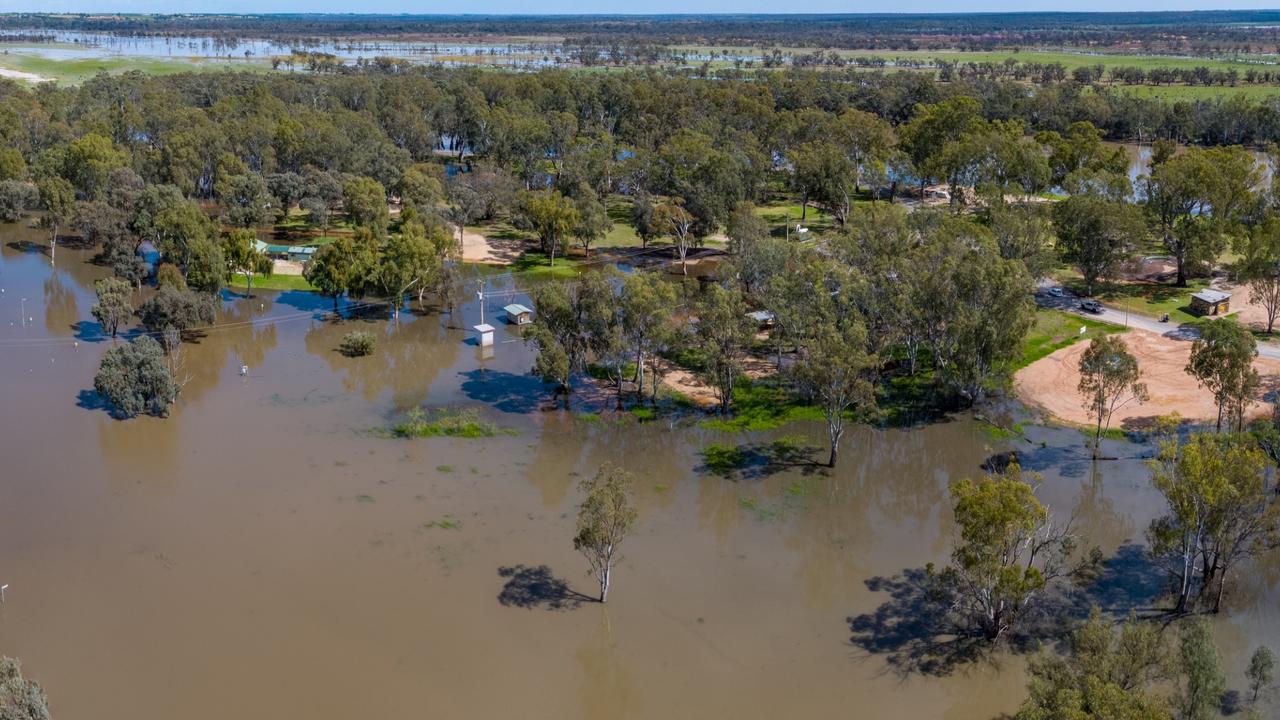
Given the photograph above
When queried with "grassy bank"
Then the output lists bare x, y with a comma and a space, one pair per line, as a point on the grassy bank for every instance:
271, 282
1055, 330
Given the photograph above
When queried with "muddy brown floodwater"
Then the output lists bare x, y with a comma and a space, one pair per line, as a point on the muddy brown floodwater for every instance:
261, 554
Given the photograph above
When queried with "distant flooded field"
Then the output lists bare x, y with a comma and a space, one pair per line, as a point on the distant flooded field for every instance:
265, 552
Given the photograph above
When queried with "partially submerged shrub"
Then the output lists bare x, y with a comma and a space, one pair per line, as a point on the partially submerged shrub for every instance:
136, 379
358, 344
448, 422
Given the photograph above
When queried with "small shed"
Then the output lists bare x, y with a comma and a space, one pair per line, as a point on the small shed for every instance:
518, 314
1210, 302
486, 334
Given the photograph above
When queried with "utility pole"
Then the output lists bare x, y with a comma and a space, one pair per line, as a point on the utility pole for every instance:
480, 295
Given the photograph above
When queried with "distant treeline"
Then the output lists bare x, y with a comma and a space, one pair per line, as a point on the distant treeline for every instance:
1186, 32
409, 110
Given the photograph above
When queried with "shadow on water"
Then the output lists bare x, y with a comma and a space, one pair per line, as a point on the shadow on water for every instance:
538, 587
753, 461
93, 400
505, 391
27, 246
911, 630
89, 331
305, 300
1069, 462
1127, 579
915, 634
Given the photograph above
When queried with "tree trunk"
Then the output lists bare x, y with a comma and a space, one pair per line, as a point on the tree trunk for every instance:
604, 584
836, 431
1097, 435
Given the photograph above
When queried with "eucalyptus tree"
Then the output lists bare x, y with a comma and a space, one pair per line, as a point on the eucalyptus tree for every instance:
605, 517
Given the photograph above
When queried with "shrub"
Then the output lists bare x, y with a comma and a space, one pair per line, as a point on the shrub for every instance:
465, 422
135, 379
358, 344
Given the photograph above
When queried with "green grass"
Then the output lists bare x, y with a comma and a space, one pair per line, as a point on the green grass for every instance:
1112, 433
1199, 92
1148, 298
444, 422
762, 405
1055, 330
76, 71
1070, 60
536, 264
444, 523
271, 282
779, 215
723, 459
621, 234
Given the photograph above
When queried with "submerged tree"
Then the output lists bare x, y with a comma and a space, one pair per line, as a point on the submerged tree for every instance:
1108, 380
340, 267
115, 304
59, 200
20, 698
136, 378
1105, 674
605, 517
173, 311
834, 370
1008, 556
1261, 670
573, 321
1219, 514
1202, 681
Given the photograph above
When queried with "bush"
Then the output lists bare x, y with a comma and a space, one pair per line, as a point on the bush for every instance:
358, 344
135, 379
446, 422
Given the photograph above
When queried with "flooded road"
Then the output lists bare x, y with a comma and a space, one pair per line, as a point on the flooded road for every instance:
262, 554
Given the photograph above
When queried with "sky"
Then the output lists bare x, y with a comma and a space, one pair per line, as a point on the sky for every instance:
617, 6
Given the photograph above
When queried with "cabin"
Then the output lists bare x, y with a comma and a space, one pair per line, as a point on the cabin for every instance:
1210, 302
296, 253
518, 314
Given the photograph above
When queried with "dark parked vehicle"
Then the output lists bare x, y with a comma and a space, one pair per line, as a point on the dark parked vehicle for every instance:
1092, 306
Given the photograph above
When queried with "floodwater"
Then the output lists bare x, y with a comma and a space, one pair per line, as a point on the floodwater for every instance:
1140, 164
261, 554
75, 45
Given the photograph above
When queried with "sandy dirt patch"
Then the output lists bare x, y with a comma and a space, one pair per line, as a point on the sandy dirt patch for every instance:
1151, 269
286, 267
477, 248
1050, 383
690, 385
20, 75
